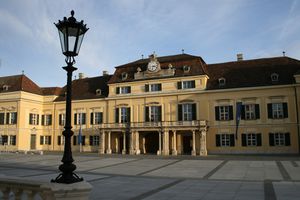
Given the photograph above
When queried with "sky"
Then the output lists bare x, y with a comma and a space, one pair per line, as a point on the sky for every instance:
121, 31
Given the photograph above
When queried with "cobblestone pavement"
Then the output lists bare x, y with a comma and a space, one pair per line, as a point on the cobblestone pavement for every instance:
168, 177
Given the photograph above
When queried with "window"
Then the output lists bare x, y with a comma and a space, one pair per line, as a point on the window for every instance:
279, 139
153, 87
122, 115
98, 92
124, 76
62, 119
5, 87
123, 90
46, 120
153, 113
34, 119
225, 140
277, 110
61, 140
94, 140
186, 84
12, 140
45, 140
79, 118
11, 118
274, 77
222, 82
223, 113
186, 68
96, 118
250, 112
251, 139
4, 140
187, 112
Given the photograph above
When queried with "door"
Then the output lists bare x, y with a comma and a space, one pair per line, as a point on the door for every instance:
187, 144
33, 142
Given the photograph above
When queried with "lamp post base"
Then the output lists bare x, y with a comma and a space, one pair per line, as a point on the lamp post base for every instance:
67, 176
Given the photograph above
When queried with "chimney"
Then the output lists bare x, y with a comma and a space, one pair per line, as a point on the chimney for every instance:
81, 75
239, 57
105, 73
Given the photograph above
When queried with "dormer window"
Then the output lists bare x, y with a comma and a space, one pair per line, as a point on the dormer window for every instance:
222, 81
186, 68
5, 88
98, 92
274, 77
124, 76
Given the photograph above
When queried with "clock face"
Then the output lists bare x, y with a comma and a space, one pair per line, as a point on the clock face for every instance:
152, 66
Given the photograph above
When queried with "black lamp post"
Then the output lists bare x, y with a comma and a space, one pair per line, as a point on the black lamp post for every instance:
71, 34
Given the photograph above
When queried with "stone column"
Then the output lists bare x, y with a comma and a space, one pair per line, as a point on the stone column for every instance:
117, 144
159, 143
166, 143
102, 143
137, 143
108, 151
131, 141
194, 144
144, 145
174, 151
124, 143
203, 150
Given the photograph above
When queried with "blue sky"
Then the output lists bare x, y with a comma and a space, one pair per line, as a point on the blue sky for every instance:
122, 30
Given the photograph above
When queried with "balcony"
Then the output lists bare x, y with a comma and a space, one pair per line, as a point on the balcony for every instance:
154, 126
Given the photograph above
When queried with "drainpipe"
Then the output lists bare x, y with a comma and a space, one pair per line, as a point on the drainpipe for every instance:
297, 115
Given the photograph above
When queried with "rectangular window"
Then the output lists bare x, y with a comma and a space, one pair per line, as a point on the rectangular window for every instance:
45, 140
188, 84
124, 115
123, 90
12, 140
279, 139
187, 112
277, 110
250, 112
11, 118
79, 118
153, 87
96, 118
62, 119
33, 119
225, 140
60, 140
4, 140
46, 120
94, 140
153, 113
251, 139
224, 112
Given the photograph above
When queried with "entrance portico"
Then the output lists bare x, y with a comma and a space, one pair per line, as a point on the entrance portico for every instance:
161, 138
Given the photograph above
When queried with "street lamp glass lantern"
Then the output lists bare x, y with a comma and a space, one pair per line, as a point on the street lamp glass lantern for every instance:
71, 33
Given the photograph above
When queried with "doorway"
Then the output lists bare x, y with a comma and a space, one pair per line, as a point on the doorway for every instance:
187, 144
151, 142
33, 142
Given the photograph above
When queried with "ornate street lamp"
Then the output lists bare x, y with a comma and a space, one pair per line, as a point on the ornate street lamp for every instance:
71, 34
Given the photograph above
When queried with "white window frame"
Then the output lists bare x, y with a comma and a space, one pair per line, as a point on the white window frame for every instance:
97, 118
12, 140
187, 84
10, 117
154, 113
96, 140
124, 90
224, 113
62, 119
123, 114
187, 112
225, 140
154, 87
34, 118
251, 139
250, 111
279, 139
277, 111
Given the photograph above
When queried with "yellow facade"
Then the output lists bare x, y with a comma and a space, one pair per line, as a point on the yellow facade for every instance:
167, 136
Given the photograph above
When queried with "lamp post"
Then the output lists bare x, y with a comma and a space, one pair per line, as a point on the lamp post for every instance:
71, 33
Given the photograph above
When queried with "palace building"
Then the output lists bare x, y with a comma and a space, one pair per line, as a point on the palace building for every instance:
169, 105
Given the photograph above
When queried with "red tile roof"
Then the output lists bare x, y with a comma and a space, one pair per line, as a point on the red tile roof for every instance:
252, 73
196, 64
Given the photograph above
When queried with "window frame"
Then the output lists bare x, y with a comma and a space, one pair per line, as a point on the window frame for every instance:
224, 113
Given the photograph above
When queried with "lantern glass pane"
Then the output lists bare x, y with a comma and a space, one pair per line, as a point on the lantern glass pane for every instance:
80, 38
72, 36
62, 41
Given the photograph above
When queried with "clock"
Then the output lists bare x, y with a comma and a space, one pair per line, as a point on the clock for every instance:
152, 66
